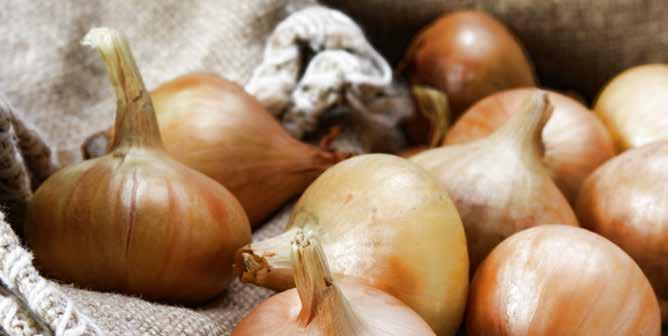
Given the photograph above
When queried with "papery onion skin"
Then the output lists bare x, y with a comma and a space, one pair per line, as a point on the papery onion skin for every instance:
214, 126
136, 221
633, 106
499, 183
576, 142
387, 221
626, 201
560, 280
468, 55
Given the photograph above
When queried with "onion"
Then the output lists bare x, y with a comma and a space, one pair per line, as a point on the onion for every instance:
499, 183
633, 105
468, 55
386, 221
212, 125
320, 306
134, 220
560, 280
576, 142
625, 200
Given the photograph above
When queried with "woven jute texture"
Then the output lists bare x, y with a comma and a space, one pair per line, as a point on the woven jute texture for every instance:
575, 44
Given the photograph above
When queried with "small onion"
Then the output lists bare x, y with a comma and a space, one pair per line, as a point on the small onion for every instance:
135, 220
322, 306
626, 201
633, 105
560, 280
576, 142
386, 221
468, 55
499, 183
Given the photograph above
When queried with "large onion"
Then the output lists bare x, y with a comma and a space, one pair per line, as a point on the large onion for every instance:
576, 142
626, 201
560, 280
382, 219
633, 105
468, 55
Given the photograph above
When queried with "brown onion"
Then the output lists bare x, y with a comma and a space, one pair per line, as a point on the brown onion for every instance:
214, 126
322, 306
625, 200
386, 221
468, 55
560, 280
576, 142
633, 105
499, 183
135, 220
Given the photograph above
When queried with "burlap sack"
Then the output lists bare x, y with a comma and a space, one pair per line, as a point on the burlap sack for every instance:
575, 44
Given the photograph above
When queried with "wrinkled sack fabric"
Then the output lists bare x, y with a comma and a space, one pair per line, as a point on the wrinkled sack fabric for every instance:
64, 89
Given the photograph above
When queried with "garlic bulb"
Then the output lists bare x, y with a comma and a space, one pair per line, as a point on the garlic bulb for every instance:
322, 306
134, 220
560, 280
625, 200
386, 221
576, 142
633, 105
468, 55
499, 183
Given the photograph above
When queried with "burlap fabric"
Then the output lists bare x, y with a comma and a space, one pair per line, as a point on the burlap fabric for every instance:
575, 44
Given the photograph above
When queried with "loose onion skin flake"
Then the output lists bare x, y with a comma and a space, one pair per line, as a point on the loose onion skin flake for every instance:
561, 280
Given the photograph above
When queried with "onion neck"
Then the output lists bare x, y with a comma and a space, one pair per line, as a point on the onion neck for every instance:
524, 129
318, 294
267, 263
432, 104
136, 124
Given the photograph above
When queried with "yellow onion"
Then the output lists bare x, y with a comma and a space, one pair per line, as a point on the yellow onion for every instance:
134, 220
560, 280
633, 105
576, 142
625, 200
386, 221
468, 55
499, 183
321, 305
214, 126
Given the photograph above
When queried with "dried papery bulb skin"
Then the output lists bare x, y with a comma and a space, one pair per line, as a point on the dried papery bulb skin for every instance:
320, 305
383, 220
625, 200
468, 55
560, 280
499, 183
135, 221
213, 126
633, 106
576, 141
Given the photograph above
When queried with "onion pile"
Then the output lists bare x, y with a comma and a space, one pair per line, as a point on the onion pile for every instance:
499, 183
576, 142
468, 55
633, 105
560, 280
136, 221
625, 200
321, 306
386, 221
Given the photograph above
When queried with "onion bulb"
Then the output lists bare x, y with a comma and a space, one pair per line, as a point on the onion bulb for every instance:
499, 183
576, 142
625, 200
134, 220
321, 306
213, 126
633, 105
468, 55
560, 280
386, 221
